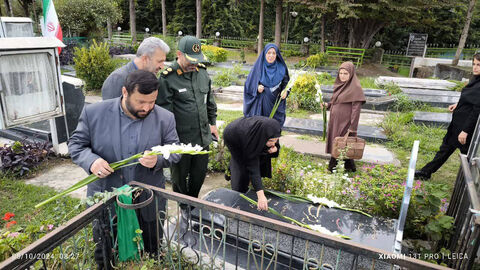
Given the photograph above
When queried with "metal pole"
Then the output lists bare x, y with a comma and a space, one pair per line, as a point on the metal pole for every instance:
53, 131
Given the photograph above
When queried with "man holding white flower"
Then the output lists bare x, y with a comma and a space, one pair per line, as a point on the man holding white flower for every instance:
118, 128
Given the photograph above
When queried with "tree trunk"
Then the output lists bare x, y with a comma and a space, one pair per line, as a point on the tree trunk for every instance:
337, 37
322, 34
26, 7
287, 22
199, 18
133, 29
8, 7
351, 33
164, 19
464, 35
109, 29
369, 36
278, 23
260, 28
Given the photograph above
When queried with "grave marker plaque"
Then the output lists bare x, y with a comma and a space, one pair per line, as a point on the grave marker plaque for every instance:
417, 44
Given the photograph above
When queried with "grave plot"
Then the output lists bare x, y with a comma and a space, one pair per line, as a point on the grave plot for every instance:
374, 232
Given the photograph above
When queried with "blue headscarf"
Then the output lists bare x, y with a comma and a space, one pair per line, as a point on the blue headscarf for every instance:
269, 75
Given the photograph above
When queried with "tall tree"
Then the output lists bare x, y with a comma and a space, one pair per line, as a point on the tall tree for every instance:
278, 22
8, 7
199, 18
260, 28
133, 29
184, 18
26, 5
164, 19
464, 35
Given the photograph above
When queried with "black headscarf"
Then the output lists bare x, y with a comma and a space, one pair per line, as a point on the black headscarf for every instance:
251, 134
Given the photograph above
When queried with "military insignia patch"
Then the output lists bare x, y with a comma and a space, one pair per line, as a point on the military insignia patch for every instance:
196, 48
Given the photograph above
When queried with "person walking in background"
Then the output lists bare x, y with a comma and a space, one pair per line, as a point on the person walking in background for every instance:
264, 85
461, 128
151, 55
185, 90
252, 142
345, 106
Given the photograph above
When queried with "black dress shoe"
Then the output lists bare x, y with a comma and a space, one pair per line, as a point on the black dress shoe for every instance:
422, 175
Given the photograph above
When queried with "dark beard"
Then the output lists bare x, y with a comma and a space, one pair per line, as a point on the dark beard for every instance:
133, 112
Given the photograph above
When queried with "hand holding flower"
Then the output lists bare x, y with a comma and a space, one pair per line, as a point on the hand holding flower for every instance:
147, 160
101, 168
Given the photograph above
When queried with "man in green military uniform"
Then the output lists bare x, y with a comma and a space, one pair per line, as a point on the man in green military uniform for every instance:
185, 90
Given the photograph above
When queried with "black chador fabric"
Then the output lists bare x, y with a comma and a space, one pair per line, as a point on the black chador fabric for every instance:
464, 118
246, 139
466, 113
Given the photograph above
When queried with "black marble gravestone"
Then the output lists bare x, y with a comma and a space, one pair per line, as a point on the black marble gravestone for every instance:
373, 232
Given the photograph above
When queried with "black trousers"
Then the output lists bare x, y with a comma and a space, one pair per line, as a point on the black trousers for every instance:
349, 165
445, 151
239, 175
189, 174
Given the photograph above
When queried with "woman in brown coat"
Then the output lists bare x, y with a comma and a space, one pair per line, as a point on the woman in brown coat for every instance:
345, 106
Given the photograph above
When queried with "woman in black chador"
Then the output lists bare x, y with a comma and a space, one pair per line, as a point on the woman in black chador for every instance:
252, 141
460, 130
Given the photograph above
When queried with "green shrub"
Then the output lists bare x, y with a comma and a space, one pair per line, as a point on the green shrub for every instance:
317, 60
93, 65
302, 95
225, 78
391, 88
219, 157
214, 54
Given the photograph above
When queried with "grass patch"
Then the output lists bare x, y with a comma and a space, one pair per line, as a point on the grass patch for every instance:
299, 113
400, 128
228, 116
368, 82
17, 198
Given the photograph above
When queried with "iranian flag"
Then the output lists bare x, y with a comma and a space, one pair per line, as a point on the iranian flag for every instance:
51, 26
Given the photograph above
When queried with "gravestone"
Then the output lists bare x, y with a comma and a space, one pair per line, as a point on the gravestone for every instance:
416, 83
417, 44
433, 119
449, 72
374, 232
315, 127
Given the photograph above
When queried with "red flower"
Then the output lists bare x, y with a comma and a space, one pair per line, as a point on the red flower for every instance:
11, 223
8, 216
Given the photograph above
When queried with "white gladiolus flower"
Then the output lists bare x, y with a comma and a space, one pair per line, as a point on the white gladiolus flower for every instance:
324, 230
323, 201
166, 150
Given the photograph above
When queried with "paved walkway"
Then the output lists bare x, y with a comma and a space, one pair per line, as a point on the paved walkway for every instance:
373, 153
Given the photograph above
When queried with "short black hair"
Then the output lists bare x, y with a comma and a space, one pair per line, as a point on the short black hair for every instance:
143, 81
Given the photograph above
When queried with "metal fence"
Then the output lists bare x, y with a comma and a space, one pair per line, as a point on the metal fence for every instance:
464, 207
244, 241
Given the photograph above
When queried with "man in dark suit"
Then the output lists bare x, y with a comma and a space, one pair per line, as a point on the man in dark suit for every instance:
118, 128
151, 55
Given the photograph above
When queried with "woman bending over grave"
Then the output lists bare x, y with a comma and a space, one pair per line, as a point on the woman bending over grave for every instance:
252, 142
460, 131
345, 106
264, 85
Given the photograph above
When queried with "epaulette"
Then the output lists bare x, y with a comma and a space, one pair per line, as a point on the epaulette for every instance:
202, 65
167, 71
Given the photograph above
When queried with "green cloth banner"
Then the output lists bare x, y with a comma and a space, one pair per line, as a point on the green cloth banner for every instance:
126, 229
